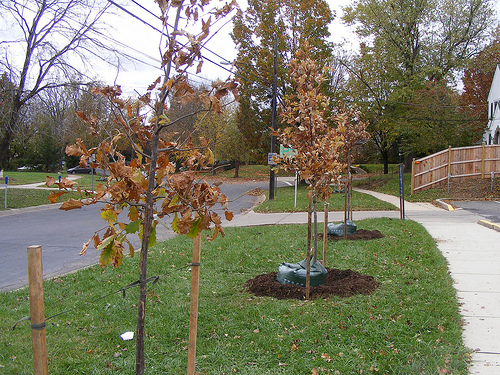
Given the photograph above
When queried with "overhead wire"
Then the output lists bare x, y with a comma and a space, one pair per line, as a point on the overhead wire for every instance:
203, 46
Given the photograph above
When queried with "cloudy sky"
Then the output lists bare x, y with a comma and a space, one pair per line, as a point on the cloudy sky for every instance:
130, 28
142, 42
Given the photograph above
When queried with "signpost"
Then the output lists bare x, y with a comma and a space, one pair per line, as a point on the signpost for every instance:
288, 152
5, 197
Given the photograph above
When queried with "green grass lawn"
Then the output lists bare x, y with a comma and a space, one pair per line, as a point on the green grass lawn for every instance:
285, 198
409, 325
389, 184
20, 198
27, 177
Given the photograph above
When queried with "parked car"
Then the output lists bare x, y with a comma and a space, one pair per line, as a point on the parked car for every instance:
79, 170
25, 168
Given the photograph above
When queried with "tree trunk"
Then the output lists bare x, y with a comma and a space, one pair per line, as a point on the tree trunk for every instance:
237, 169
9, 132
143, 265
385, 160
4, 148
147, 224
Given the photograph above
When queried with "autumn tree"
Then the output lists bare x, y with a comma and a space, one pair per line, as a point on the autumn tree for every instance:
52, 33
406, 43
477, 80
312, 134
231, 144
435, 115
149, 186
266, 24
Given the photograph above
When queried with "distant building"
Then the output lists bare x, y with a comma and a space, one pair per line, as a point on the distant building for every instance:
492, 134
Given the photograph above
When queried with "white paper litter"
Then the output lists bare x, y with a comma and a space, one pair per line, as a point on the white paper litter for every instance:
127, 336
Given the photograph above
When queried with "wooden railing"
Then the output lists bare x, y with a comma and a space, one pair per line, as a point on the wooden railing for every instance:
455, 163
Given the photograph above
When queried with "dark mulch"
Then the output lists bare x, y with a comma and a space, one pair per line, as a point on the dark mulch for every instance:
361, 234
343, 283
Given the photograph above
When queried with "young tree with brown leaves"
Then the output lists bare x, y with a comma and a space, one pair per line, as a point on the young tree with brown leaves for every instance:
149, 186
311, 134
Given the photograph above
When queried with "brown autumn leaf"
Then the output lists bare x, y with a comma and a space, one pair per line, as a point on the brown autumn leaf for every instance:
49, 181
85, 246
73, 150
326, 357
54, 195
71, 204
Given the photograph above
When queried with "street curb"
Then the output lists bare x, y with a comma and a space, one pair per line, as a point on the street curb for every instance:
15, 211
489, 224
445, 205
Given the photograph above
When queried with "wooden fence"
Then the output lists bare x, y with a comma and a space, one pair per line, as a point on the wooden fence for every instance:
455, 164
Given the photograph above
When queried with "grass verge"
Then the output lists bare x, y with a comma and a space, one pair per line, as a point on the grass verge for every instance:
21, 198
26, 177
284, 202
410, 325
389, 184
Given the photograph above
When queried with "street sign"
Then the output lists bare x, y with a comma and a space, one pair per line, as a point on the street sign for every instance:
287, 152
271, 158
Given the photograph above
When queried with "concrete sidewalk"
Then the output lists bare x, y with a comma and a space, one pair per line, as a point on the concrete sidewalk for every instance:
472, 251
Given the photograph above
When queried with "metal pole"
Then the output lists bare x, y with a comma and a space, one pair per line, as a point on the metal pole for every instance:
296, 183
5, 196
272, 182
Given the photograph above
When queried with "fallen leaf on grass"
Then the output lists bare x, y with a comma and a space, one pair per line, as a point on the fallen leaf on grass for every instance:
326, 357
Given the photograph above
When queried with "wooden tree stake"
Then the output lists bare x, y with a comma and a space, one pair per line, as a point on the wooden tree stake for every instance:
193, 315
325, 234
37, 311
308, 250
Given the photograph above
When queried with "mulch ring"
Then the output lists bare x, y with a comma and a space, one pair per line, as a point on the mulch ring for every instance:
361, 234
342, 283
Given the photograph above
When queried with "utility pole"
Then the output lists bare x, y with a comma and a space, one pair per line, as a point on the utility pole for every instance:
272, 180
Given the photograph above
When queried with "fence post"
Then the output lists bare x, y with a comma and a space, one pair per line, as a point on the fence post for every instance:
193, 315
37, 312
483, 153
325, 234
412, 176
449, 159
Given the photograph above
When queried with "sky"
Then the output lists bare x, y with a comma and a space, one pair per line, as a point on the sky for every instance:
142, 42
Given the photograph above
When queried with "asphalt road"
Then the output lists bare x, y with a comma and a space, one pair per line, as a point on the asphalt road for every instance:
62, 234
490, 210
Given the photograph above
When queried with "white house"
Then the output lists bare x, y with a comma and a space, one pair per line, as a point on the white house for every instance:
492, 134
